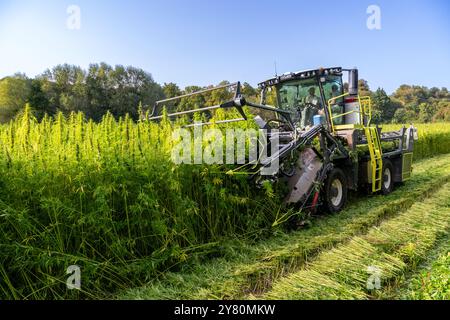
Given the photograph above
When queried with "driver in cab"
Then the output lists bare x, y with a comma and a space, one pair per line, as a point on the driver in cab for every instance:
313, 107
312, 98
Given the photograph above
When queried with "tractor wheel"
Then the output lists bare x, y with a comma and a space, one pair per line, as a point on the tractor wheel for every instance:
388, 177
335, 190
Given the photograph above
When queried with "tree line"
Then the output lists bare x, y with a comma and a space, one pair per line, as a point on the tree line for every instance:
128, 90
66, 88
409, 103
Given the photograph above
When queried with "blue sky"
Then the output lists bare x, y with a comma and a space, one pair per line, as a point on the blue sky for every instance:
202, 42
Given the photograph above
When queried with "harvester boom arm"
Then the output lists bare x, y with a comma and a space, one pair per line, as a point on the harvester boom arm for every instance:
237, 102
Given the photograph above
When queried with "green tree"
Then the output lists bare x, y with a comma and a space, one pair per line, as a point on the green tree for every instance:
411, 94
39, 100
400, 116
443, 111
192, 102
383, 106
98, 90
129, 87
14, 93
249, 92
426, 112
171, 90
64, 87
363, 88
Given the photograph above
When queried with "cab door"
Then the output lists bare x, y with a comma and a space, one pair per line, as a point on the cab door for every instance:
333, 91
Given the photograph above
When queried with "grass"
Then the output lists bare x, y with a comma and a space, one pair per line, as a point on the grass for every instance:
432, 284
394, 246
249, 269
431, 280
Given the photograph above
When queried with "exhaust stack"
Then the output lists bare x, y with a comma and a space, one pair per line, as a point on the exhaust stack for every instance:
353, 82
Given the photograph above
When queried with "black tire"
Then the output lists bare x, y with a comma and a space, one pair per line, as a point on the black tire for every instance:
387, 185
335, 191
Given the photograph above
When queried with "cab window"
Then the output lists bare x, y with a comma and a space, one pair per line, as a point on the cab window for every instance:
333, 90
302, 99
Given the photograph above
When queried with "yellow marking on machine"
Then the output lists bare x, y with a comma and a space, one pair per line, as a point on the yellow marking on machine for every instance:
376, 157
372, 135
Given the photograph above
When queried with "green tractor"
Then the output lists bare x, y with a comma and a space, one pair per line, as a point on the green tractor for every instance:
326, 144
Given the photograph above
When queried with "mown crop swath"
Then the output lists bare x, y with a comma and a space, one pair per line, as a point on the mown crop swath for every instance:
341, 273
432, 280
105, 196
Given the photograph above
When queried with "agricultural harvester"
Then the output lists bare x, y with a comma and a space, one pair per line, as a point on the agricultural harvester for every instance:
327, 144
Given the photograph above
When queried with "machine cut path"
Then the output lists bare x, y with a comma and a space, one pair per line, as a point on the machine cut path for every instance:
331, 258
361, 267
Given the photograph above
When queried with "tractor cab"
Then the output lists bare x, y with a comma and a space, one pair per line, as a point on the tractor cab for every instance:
317, 96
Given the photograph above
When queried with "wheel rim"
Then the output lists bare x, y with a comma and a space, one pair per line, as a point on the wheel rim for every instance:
337, 192
387, 178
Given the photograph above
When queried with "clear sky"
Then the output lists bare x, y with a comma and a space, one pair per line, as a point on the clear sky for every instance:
202, 42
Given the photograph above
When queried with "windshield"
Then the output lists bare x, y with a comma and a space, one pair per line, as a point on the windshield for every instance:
302, 99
